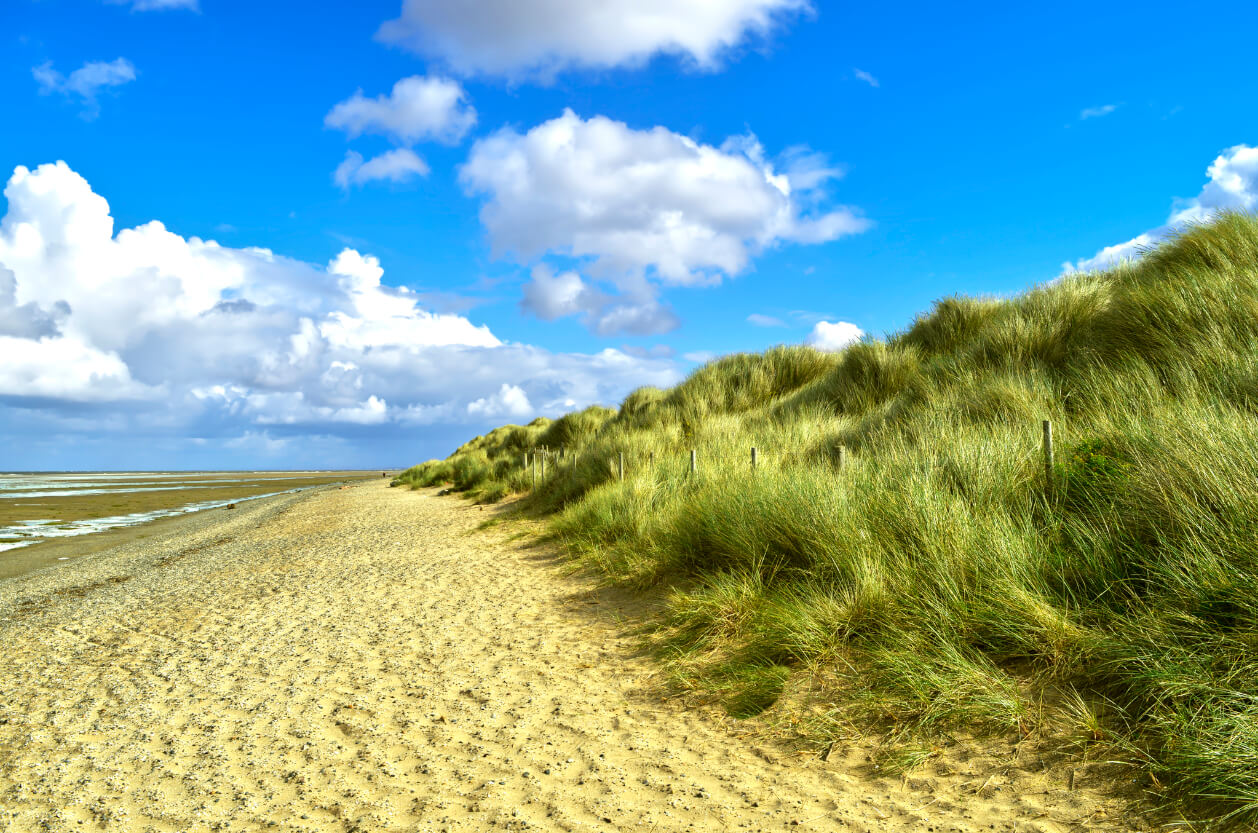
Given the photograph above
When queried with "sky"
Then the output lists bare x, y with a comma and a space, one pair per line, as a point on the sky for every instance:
293, 235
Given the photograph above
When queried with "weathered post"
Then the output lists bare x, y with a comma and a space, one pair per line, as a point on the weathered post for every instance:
620, 466
524, 460
753, 458
543, 465
842, 457
652, 459
534, 468
694, 461
1048, 455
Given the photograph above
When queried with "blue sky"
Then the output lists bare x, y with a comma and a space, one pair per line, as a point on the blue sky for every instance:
633, 193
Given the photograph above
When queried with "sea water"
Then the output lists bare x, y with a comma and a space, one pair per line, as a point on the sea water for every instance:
16, 487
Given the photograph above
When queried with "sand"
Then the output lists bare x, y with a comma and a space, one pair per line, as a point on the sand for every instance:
364, 659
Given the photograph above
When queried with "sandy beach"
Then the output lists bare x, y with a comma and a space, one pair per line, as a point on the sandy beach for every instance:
365, 659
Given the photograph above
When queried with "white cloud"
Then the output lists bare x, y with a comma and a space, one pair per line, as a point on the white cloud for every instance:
645, 317
1233, 186
86, 81
550, 296
513, 39
294, 408
509, 402
645, 205
866, 77
418, 109
223, 341
377, 315
638, 200
1113, 255
765, 320
156, 5
64, 367
1096, 112
26, 320
397, 165
831, 336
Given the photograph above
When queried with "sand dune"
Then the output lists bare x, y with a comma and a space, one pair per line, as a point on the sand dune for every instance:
363, 659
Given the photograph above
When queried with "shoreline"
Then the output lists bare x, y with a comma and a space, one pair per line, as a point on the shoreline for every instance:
55, 552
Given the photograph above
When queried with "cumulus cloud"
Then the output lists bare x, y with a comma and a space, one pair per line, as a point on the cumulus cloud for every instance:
26, 320
417, 109
550, 295
397, 165
832, 336
66, 368
639, 206
231, 340
512, 39
645, 317
639, 200
86, 82
1232, 186
509, 402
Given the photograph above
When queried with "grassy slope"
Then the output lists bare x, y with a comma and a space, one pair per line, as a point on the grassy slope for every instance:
936, 574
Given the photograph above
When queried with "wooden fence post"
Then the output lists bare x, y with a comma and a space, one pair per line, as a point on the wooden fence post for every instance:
753, 458
1048, 455
842, 457
694, 461
620, 466
543, 465
534, 468
652, 459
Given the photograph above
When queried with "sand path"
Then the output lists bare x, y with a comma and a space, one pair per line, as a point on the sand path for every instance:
363, 659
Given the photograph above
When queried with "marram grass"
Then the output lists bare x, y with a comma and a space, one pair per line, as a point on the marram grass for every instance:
940, 576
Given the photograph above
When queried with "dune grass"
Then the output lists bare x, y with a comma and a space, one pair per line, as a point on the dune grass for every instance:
940, 577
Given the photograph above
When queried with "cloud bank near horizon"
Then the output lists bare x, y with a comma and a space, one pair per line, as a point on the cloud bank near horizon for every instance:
232, 343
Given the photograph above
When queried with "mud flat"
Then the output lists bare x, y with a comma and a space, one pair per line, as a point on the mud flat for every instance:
49, 518
364, 659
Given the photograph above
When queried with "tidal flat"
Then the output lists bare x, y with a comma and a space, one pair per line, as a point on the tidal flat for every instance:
46, 518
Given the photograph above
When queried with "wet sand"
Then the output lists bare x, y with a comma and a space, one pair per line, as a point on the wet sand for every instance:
116, 501
117, 498
364, 659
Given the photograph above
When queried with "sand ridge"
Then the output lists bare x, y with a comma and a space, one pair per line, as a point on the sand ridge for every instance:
364, 659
